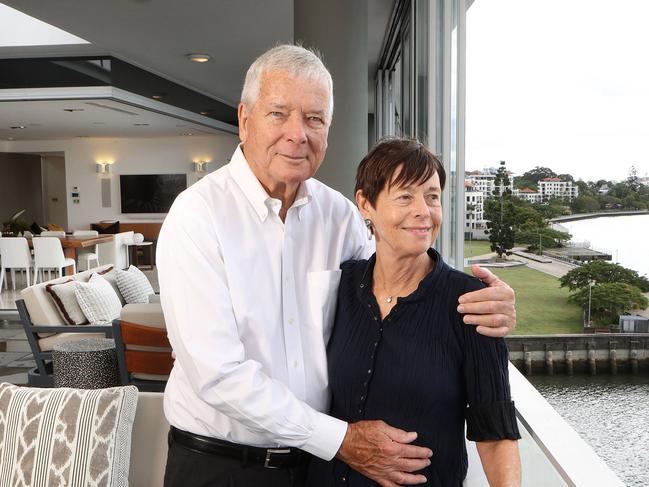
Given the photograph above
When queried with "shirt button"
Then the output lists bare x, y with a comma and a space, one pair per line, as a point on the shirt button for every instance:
291, 321
369, 305
295, 364
343, 479
376, 344
361, 286
376, 318
362, 397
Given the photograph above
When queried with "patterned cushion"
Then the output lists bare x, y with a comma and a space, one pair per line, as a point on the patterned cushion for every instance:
66, 436
134, 285
110, 275
98, 300
66, 302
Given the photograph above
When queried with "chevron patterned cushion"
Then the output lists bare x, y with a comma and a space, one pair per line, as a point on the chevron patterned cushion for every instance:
66, 436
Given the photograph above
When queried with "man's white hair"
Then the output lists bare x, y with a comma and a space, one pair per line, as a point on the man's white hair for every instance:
297, 61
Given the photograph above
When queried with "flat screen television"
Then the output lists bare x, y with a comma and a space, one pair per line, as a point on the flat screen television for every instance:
150, 193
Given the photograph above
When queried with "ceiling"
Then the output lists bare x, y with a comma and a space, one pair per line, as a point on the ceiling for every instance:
66, 119
157, 35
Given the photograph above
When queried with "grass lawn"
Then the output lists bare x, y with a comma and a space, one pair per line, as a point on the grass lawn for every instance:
541, 305
476, 247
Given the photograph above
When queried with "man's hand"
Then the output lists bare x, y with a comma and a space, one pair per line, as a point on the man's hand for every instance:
382, 453
493, 309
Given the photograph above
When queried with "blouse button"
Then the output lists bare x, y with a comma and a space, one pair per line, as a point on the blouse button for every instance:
369, 305
376, 344
376, 318
369, 371
365, 384
362, 286
360, 410
343, 479
362, 398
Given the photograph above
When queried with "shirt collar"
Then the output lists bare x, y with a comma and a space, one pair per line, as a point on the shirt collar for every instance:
255, 193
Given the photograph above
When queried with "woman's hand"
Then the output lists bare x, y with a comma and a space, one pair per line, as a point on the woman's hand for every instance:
493, 308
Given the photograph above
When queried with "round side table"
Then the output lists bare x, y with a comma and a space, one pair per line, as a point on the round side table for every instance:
90, 363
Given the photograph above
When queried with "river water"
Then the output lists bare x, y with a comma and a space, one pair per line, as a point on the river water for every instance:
626, 238
611, 415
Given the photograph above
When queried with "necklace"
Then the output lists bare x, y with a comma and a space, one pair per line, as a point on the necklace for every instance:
388, 299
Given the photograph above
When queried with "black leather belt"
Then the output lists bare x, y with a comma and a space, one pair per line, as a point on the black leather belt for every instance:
266, 457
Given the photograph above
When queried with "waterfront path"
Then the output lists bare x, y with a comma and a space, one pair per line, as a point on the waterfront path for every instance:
554, 268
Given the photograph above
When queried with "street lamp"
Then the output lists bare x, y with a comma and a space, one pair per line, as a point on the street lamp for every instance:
591, 283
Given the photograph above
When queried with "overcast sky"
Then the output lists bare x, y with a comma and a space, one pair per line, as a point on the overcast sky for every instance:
559, 83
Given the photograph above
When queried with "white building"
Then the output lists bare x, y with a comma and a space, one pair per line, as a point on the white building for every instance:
556, 188
474, 208
528, 194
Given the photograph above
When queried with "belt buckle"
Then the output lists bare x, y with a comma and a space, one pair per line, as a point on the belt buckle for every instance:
269, 454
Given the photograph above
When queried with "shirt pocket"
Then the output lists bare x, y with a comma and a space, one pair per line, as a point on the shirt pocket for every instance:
323, 295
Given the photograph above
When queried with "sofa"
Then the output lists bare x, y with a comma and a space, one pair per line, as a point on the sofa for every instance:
148, 442
45, 327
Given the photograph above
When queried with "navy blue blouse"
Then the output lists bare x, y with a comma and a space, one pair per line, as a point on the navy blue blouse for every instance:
419, 369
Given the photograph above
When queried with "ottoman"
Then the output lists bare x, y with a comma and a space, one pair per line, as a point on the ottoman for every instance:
90, 363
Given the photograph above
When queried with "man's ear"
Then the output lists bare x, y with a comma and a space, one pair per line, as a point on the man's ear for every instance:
363, 203
242, 114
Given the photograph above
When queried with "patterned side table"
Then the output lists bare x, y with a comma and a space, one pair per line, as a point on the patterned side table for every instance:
90, 363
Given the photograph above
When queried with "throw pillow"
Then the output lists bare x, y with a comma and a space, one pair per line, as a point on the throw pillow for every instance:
134, 285
66, 302
66, 436
110, 228
110, 275
98, 300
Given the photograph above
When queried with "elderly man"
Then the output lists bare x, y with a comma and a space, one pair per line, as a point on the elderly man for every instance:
248, 264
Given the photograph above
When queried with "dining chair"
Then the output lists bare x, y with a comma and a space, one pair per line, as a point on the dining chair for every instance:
48, 254
52, 233
87, 256
15, 255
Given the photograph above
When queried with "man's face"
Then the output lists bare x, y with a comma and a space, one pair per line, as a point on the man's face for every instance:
284, 134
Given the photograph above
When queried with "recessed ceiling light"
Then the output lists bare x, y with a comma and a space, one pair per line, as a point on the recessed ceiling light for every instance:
70, 110
204, 112
188, 134
199, 58
17, 127
140, 125
158, 96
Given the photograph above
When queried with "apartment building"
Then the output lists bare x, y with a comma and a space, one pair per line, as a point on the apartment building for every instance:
556, 188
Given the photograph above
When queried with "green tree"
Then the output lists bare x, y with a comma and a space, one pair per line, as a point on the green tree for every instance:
609, 300
584, 204
500, 214
603, 272
538, 173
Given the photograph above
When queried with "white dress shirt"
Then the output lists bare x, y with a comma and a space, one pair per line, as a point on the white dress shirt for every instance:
249, 302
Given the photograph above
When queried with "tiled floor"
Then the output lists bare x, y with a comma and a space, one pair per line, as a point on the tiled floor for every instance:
15, 354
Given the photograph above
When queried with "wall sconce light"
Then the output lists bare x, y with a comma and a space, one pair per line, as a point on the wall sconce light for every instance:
103, 168
200, 166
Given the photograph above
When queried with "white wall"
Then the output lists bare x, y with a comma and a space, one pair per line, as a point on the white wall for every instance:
130, 156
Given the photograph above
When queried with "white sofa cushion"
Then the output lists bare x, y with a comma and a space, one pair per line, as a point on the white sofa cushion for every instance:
134, 285
42, 309
75, 436
63, 295
98, 300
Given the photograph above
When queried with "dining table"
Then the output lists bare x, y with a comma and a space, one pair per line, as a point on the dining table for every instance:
72, 243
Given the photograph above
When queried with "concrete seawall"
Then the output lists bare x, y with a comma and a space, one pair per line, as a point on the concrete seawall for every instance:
623, 353
586, 216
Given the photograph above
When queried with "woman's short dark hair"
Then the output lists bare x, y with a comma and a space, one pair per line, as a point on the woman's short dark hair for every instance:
377, 168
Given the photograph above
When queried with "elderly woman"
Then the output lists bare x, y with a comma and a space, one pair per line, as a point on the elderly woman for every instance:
399, 350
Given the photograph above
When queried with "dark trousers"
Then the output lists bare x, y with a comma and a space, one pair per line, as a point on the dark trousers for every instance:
191, 468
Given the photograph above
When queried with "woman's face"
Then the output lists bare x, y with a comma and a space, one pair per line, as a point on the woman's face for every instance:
406, 219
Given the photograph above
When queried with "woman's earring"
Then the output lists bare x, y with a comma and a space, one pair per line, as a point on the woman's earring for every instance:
370, 228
